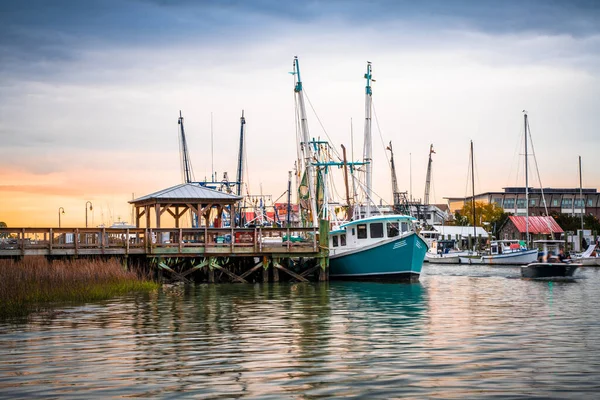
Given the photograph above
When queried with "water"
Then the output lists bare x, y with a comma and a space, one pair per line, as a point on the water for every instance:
462, 332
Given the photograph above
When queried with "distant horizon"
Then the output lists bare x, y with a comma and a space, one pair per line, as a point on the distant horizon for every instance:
91, 93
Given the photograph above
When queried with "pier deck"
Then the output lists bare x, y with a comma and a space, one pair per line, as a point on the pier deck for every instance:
203, 247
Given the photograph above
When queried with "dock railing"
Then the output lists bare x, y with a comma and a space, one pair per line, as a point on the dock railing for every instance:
184, 241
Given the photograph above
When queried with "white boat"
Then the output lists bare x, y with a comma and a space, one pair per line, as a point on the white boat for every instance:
510, 252
448, 258
589, 257
443, 252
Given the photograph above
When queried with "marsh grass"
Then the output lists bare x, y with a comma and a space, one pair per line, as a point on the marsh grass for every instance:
34, 284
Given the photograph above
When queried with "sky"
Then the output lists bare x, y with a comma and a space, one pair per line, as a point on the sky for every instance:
90, 93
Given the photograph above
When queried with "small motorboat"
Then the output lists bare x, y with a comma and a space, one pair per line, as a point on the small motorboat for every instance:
553, 262
549, 269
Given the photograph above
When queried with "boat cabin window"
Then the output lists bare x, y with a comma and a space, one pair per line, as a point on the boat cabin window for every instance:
335, 240
361, 231
376, 230
392, 229
343, 239
404, 227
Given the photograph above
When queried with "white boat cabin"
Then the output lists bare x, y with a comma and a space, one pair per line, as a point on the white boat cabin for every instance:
506, 246
368, 231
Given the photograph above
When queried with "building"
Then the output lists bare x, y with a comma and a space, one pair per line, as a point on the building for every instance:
512, 200
540, 227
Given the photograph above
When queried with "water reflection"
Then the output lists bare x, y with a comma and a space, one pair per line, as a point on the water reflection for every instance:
452, 335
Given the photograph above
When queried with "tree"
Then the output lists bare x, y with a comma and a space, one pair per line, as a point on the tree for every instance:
3, 225
485, 213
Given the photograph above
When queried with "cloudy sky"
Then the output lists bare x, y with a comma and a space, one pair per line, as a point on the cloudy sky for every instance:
90, 92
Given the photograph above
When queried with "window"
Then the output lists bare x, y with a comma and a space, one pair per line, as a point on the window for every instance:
352, 231
532, 202
335, 240
567, 203
498, 200
509, 203
521, 203
376, 230
361, 231
590, 202
579, 203
554, 202
392, 229
404, 226
343, 239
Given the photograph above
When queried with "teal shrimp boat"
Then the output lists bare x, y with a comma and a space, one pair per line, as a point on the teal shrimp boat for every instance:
377, 248
371, 245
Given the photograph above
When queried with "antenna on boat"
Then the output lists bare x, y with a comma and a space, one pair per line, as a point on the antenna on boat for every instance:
212, 156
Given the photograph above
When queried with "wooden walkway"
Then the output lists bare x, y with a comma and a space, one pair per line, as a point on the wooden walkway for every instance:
234, 253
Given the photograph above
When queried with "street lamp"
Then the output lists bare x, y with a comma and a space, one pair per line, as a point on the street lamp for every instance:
86, 210
60, 211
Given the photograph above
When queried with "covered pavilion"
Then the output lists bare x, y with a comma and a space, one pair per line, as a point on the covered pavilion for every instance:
207, 204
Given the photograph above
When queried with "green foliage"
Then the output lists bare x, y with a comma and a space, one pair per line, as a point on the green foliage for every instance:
573, 223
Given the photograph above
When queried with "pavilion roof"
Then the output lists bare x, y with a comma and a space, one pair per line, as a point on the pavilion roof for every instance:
192, 192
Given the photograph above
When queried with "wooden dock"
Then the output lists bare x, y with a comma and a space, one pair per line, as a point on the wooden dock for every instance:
207, 254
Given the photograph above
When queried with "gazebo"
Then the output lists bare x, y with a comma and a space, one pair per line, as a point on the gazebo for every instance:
179, 199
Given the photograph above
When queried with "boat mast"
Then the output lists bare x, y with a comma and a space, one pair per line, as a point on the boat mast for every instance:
428, 177
526, 185
395, 193
581, 196
368, 145
473, 200
186, 165
349, 205
240, 169
305, 143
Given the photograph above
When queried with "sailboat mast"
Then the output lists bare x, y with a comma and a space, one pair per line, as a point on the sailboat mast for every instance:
582, 204
305, 145
368, 145
526, 185
428, 176
186, 166
473, 199
240, 169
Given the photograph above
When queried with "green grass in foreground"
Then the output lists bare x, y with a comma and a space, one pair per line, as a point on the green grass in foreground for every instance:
34, 284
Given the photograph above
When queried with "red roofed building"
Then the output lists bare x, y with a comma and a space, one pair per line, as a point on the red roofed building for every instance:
539, 228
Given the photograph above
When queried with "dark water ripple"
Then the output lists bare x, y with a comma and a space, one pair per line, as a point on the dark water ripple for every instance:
462, 332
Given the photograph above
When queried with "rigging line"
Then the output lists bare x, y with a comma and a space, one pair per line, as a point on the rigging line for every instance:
538, 171
468, 180
512, 164
519, 162
322, 127
476, 173
380, 134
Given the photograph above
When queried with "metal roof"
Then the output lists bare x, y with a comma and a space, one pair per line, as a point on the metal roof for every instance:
188, 191
537, 224
463, 231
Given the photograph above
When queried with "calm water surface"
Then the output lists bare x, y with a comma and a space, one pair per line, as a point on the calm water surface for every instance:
462, 332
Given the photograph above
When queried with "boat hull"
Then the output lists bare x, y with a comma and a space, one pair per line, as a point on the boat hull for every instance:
589, 261
518, 257
399, 259
548, 270
442, 259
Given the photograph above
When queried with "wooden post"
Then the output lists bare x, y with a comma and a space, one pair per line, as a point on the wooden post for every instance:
76, 240
324, 249
265, 264
51, 239
275, 270
211, 271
